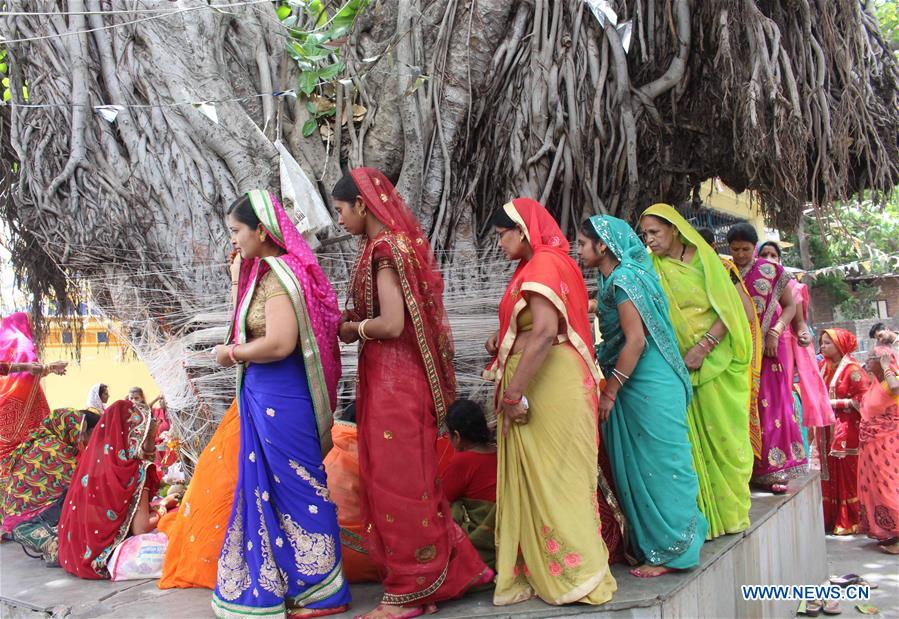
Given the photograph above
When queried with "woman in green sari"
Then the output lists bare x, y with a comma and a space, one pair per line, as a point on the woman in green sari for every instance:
647, 441
715, 341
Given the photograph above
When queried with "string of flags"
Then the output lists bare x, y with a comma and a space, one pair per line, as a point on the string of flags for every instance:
110, 112
885, 265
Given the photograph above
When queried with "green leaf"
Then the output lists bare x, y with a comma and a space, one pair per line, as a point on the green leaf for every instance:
309, 127
331, 71
308, 81
283, 12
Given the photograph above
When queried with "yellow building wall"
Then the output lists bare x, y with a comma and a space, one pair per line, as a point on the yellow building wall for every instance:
719, 197
112, 364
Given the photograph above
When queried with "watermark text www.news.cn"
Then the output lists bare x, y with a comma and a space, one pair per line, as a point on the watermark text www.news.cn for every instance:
805, 592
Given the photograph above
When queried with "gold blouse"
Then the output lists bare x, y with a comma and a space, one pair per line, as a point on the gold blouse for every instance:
268, 287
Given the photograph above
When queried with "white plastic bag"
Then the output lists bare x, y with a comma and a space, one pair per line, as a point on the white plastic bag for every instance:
138, 557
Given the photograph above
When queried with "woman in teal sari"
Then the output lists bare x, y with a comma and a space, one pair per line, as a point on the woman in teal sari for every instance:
715, 341
646, 437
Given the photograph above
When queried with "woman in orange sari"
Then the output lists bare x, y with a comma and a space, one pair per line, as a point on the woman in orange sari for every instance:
878, 459
196, 530
548, 534
847, 382
405, 383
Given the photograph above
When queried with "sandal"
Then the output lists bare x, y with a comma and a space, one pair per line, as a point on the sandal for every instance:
810, 608
831, 607
845, 580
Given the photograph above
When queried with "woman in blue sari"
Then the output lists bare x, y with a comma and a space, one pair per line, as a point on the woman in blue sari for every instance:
644, 401
281, 553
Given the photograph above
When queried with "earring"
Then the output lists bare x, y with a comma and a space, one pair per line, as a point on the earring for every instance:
521, 236
262, 238
362, 212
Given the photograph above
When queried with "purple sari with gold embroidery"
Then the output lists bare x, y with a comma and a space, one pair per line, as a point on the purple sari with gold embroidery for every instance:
783, 454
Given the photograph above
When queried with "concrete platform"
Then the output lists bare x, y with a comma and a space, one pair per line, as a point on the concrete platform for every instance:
784, 545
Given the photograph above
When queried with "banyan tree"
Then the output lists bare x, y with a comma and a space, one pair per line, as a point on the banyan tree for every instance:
131, 124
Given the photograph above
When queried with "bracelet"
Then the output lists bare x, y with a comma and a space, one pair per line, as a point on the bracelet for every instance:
509, 401
619, 375
360, 331
607, 396
231, 354
711, 338
704, 345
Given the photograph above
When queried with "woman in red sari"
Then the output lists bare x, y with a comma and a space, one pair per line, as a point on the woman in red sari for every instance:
838, 444
110, 493
405, 383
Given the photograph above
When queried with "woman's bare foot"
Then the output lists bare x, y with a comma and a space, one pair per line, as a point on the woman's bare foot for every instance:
389, 611
650, 571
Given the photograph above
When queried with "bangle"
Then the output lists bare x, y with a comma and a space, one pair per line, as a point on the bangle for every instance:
510, 401
231, 354
711, 338
607, 396
620, 376
360, 331
704, 345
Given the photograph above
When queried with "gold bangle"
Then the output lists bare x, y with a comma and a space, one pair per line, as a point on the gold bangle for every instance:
360, 330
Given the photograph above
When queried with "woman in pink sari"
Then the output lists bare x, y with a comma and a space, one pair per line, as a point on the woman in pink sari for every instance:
783, 454
878, 457
22, 402
799, 356
405, 383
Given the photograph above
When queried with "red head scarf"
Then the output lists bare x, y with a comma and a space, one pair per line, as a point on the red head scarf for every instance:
551, 273
105, 491
846, 344
420, 278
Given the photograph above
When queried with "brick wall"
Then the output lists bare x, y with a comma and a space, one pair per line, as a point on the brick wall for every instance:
822, 301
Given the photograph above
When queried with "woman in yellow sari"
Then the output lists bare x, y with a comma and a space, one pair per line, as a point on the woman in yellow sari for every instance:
548, 532
715, 340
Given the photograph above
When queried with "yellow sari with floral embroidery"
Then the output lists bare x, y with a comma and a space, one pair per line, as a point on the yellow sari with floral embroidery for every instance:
548, 532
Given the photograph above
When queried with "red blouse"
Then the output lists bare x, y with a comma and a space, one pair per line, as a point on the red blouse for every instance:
471, 475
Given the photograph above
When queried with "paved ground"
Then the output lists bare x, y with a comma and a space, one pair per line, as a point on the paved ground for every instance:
858, 555
27, 589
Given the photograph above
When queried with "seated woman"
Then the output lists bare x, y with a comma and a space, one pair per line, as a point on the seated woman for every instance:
109, 499
342, 468
469, 483
40, 470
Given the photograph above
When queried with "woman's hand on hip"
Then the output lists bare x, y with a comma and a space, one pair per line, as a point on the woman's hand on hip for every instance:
492, 343
606, 404
349, 332
771, 342
694, 357
222, 355
516, 414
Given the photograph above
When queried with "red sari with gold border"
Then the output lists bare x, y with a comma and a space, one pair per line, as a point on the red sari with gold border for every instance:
838, 444
404, 387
